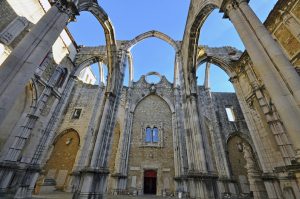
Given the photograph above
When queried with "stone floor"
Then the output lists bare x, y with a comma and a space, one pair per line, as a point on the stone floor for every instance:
56, 195
61, 195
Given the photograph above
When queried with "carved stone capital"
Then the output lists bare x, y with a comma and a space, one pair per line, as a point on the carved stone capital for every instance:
67, 7
229, 5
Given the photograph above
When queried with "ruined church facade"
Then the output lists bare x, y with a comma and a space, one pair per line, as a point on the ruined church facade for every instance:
59, 132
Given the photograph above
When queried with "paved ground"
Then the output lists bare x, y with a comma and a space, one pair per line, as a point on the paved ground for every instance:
57, 195
61, 195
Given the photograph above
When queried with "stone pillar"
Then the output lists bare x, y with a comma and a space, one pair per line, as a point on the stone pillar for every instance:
273, 50
94, 177
207, 76
24, 132
281, 96
263, 149
21, 64
48, 133
254, 176
30, 164
292, 24
201, 182
121, 161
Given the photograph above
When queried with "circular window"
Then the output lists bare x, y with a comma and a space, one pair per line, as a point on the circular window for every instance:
153, 78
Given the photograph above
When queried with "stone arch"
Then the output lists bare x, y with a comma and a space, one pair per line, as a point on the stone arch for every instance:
152, 33
170, 104
102, 17
244, 166
194, 34
220, 62
159, 35
85, 63
237, 163
62, 159
243, 136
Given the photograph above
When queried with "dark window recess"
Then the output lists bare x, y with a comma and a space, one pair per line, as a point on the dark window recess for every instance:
77, 113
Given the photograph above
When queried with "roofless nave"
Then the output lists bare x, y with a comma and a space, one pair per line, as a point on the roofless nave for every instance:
60, 133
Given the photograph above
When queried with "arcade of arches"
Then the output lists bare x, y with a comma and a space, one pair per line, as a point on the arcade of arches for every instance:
59, 133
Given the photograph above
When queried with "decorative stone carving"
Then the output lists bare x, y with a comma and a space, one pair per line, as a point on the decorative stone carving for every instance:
13, 30
67, 7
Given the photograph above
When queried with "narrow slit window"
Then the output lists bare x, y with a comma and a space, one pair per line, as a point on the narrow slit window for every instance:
230, 114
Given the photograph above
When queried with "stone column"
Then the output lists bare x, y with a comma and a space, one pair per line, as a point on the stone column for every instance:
94, 177
18, 142
254, 176
121, 161
207, 76
21, 64
273, 50
292, 24
49, 132
281, 96
201, 182
30, 165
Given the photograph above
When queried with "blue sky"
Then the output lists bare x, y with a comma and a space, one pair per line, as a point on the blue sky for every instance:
133, 17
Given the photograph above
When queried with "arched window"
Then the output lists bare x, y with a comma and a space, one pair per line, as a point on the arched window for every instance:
152, 135
148, 137
155, 135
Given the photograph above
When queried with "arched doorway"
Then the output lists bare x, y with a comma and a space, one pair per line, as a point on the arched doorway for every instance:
150, 179
238, 163
60, 164
245, 168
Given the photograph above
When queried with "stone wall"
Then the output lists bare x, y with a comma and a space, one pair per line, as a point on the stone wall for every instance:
221, 101
82, 98
152, 111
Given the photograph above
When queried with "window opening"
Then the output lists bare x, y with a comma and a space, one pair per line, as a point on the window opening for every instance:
77, 113
155, 134
230, 114
148, 137
151, 135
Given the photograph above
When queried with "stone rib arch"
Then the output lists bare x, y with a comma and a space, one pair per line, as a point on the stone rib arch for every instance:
149, 34
243, 136
102, 17
217, 61
170, 104
159, 35
194, 34
85, 64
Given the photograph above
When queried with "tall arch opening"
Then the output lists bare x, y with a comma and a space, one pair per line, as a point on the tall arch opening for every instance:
152, 54
60, 164
87, 24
